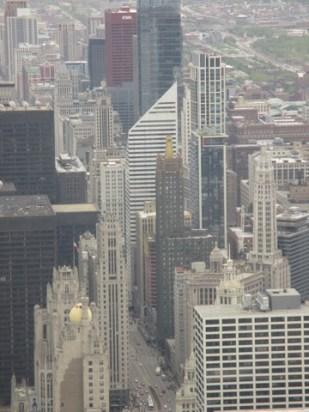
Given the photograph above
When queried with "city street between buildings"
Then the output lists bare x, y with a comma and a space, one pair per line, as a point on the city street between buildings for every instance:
143, 380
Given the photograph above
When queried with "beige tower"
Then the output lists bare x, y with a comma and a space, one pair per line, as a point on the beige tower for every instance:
113, 305
71, 367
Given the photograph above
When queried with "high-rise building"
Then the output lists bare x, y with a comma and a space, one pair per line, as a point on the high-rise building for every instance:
67, 39
120, 27
146, 141
10, 10
21, 28
145, 229
112, 281
71, 180
96, 61
72, 220
265, 254
27, 152
254, 357
169, 222
293, 235
159, 48
104, 133
191, 246
112, 180
27, 257
70, 360
207, 81
210, 173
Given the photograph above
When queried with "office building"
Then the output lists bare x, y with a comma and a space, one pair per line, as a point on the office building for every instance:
211, 175
169, 222
293, 235
145, 229
27, 153
27, 257
112, 180
104, 123
159, 49
146, 140
96, 61
21, 28
112, 281
207, 83
224, 282
67, 40
72, 220
193, 286
265, 254
191, 246
71, 180
255, 356
120, 27
71, 362
10, 10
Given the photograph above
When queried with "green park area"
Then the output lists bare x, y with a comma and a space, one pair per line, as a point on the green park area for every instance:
285, 48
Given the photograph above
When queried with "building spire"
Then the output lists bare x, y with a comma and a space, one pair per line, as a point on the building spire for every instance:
169, 150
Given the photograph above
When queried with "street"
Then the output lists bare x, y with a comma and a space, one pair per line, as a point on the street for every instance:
143, 380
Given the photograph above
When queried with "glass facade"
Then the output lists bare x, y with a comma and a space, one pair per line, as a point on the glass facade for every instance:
159, 49
213, 186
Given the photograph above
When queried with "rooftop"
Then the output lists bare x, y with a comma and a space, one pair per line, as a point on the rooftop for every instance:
68, 164
25, 206
75, 208
234, 311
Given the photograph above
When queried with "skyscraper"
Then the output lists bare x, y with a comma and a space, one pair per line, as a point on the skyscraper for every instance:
146, 140
159, 48
112, 180
104, 123
169, 223
27, 257
207, 81
265, 254
27, 152
293, 240
96, 61
21, 28
10, 10
112, 293
210, 165
67, 39
120, 27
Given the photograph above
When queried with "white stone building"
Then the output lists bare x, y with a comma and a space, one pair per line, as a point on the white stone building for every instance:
253, 358
265, 255
112, 290
70, 360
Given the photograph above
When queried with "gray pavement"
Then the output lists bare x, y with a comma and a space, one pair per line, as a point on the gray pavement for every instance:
143, 360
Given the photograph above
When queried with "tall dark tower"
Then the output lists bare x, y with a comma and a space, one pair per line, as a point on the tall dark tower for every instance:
27, 257
27, 149
96, 55
169, 223
159, 48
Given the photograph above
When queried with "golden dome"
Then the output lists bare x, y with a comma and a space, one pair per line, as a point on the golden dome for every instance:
77, 312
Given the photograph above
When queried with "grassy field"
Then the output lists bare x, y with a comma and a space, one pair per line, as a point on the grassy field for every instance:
288, 49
